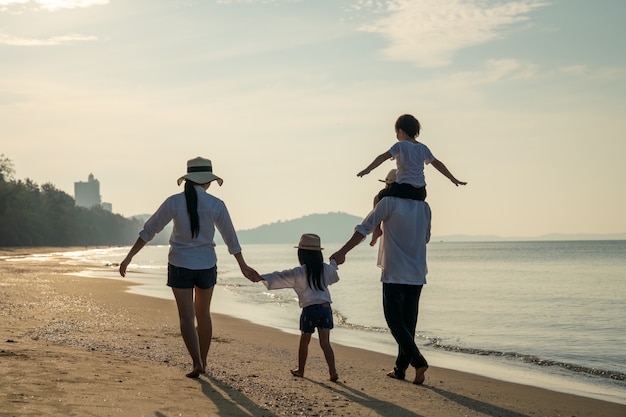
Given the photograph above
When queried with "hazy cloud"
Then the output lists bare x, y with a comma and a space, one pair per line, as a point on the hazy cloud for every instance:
50, 5
429, 32
55, 40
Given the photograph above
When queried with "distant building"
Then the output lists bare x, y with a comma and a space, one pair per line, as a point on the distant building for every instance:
107, 206
87, 194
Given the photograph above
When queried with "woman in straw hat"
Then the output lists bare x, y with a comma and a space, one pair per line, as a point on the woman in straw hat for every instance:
192, 269
310, 280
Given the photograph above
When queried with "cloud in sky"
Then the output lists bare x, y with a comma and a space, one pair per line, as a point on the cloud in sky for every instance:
50, 5
524, 101
428, 33
54, 40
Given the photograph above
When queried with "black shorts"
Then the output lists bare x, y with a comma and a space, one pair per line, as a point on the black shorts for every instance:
318, 316
178, 277
403, 191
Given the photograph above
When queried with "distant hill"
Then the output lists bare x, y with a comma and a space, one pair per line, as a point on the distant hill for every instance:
337, 227
334, 227
331, 227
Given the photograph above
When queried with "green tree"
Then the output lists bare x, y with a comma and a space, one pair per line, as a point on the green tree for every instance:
31, 215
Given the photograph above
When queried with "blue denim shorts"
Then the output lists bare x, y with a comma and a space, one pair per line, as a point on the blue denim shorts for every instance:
316, 316
178, 277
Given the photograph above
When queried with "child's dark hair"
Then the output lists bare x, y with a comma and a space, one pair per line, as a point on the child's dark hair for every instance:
314, 262
409, 124
191, 198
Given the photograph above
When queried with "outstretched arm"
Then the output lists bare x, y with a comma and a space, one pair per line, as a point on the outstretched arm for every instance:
442, 168
340, 255
379, 160
139, 243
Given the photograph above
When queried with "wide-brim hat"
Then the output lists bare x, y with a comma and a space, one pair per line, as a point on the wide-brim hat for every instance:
391, 177
200, 171
309, 241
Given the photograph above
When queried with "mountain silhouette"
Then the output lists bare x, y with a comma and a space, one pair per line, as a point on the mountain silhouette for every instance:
334, 227
338, 227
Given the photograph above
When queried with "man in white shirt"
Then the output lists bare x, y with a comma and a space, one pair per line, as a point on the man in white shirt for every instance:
402, 258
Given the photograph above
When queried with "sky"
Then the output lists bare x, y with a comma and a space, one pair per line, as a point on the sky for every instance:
522, 99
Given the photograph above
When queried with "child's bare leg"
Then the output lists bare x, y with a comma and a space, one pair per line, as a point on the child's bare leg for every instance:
324, 335
303, 352
378, 232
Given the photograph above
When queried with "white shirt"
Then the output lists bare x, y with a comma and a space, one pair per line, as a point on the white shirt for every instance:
402, 248
185, 252
296, 278
410, 159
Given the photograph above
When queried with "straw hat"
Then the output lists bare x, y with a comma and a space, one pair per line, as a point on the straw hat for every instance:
391, 177
309, 241
200, 171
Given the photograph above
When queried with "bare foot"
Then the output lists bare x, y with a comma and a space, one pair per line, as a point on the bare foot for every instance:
195, 373
297, 372
394, 375
334, 377
419, 375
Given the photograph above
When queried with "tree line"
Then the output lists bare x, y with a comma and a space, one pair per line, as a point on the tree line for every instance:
33, 215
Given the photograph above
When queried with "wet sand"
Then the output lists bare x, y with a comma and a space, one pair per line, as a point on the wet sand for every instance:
73, 346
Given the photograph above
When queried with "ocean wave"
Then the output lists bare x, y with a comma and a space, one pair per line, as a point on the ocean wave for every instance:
342, 321
530, 359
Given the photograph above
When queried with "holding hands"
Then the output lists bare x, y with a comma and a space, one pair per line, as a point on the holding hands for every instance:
338, 257
251, 274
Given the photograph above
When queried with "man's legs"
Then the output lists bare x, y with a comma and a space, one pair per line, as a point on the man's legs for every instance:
400, 305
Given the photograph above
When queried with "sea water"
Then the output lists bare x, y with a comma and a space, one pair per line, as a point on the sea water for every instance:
549, 314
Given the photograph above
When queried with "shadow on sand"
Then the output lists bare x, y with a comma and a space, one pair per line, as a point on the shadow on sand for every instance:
475, 405
228, 400
380, 407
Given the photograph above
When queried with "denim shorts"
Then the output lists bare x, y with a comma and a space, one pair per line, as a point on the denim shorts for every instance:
316, 316
178, 277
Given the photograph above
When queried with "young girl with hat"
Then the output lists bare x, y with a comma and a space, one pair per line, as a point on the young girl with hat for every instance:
310, 281
192, 262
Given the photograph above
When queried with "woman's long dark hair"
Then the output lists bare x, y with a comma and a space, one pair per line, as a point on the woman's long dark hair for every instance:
191, 197
314, 262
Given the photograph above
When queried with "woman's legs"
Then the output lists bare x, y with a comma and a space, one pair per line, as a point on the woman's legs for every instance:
186, 314
203, 316
324, 335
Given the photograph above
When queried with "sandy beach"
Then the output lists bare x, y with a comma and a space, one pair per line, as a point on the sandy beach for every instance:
74, 346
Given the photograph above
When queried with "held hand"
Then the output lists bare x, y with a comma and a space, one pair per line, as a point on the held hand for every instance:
457, 182
362, 173
340, 258
123, 267
251, 274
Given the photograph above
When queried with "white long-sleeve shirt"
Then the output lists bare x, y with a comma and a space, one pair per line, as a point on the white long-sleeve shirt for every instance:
199, 252
402, 247
296, 278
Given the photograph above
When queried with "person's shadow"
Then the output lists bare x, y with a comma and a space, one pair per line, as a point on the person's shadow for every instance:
228, 400
380, 407
475, 405
393, 410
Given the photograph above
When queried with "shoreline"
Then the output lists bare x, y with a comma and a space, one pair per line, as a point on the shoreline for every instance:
496, 367
86, 346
